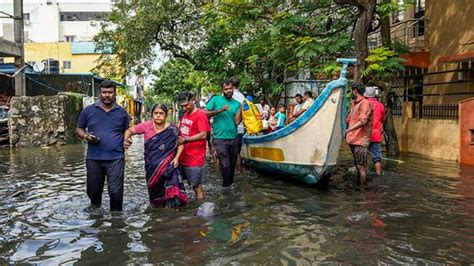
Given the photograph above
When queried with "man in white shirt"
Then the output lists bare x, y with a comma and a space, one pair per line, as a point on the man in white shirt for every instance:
240, 130
299, 103
308, 101
263, 108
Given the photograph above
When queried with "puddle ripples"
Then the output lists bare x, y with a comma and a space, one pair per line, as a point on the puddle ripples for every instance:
419, 211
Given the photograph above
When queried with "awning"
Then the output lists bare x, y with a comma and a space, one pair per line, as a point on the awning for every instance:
10, 69
417, 59
457, 58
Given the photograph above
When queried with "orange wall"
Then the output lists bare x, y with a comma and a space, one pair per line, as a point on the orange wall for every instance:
467, 131
450, 27
450, 31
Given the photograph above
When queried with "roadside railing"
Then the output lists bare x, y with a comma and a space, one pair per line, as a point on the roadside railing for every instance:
436, 111
397, 111
409, 32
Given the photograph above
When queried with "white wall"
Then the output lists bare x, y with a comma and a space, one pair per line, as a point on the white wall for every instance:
83, 30
44, 27
45, 24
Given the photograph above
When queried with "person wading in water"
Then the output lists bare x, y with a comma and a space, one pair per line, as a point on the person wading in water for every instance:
106, 123
193, 129
359, 130
162, 153
227, 115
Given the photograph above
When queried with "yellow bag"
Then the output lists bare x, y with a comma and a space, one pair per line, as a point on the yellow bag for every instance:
252, 118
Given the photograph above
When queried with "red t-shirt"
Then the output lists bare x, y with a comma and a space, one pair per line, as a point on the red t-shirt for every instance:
377, 126
194, 153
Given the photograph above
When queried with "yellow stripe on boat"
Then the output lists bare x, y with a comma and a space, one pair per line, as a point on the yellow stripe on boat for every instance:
272, 154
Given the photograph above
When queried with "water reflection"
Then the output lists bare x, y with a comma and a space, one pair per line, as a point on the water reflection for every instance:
419, 211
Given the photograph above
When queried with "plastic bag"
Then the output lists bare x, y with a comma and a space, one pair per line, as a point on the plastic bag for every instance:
252, 118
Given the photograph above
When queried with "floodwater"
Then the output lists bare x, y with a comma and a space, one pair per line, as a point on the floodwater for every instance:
419, 211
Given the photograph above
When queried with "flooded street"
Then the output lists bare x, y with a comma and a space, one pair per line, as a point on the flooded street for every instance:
419, 211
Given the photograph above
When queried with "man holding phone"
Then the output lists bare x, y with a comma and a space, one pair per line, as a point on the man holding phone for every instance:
103, 125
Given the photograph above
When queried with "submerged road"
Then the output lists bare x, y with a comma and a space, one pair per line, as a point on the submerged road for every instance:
419, 211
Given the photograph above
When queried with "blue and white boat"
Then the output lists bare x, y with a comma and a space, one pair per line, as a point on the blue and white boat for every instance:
308, 148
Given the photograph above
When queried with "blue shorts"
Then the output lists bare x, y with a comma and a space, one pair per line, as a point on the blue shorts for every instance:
375, 149
195, 175
241, 140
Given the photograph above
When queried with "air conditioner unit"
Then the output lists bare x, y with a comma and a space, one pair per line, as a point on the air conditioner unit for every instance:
93, 23
26, 22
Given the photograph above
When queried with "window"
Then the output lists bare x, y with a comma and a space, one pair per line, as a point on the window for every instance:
82, 16
67, 64
1, 61
70, 38
420, 6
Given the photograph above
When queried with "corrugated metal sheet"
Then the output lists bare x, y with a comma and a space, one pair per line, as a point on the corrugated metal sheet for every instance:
11, 69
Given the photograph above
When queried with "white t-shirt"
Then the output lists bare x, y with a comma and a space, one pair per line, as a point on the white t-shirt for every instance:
238, 96
297, 108
264, 111
307, 104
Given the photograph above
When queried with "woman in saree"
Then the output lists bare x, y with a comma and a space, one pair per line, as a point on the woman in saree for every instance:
162, 152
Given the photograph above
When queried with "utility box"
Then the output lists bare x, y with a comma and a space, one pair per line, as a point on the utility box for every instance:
466, 125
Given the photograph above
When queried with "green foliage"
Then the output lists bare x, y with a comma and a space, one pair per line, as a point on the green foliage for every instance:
388, 7
151, 99
178, 75
330, 69
399, 47
383, 64
256, 41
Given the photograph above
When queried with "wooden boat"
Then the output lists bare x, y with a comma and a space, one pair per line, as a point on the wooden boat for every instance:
308, 148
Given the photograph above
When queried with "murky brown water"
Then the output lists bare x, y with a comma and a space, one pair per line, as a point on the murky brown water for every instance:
419, 211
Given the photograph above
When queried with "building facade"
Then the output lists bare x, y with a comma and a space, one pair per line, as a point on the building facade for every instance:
60, 30
439, 36
57, 20
74, 57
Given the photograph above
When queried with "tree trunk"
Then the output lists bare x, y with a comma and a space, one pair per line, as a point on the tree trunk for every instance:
361, 31
385, 29
391, 140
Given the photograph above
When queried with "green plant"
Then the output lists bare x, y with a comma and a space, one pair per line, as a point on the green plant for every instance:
383, 64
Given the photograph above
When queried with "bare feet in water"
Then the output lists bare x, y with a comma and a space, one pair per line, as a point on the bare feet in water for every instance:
199, 193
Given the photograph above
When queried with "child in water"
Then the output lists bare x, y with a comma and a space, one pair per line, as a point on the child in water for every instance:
281, 118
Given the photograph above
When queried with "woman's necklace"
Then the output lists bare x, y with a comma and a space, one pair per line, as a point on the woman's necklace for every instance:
159, 129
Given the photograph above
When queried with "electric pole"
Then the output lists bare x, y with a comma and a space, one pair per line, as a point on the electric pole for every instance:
20, 85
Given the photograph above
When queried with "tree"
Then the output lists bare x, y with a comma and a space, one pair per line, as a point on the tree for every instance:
257, 41
178, 75
383, 66
366, 10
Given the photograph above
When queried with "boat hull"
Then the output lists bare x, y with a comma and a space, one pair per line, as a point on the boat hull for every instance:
307, 174
308, 148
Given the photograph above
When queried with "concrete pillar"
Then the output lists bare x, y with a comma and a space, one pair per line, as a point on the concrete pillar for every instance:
407, 110
20, 85
466, 124
407, 115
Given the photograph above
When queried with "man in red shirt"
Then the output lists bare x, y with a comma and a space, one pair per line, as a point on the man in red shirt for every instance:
193, 128
359, 130
375, 147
